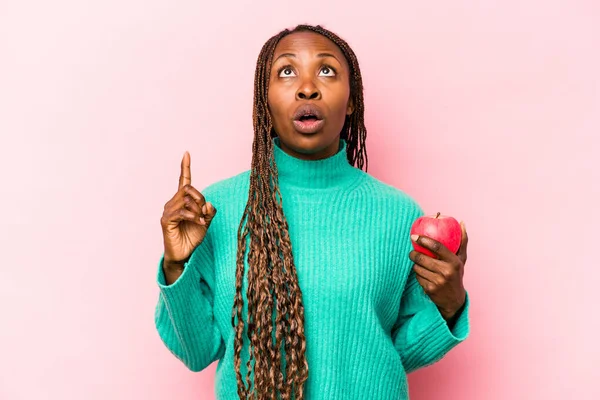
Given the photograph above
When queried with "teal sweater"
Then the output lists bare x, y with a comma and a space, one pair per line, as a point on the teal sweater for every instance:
368, 322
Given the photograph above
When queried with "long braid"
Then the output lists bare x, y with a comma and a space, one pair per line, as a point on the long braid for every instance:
274, 296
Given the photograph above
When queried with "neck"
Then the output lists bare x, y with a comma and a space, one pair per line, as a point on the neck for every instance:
329, 172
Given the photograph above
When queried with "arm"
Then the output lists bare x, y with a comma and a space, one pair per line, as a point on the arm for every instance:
184, 313
421, 335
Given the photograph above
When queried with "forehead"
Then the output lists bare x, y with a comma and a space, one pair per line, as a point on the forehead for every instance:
307, 43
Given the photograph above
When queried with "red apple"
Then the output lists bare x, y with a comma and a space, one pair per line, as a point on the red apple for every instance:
442, 228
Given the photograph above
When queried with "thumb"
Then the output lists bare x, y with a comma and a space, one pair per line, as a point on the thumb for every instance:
462, 251
209, 212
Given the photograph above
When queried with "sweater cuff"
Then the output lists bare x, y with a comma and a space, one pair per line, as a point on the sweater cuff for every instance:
460, 330
440, 338
179, 292
443, 336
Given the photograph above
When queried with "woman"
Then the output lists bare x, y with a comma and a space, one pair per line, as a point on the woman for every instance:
317, 296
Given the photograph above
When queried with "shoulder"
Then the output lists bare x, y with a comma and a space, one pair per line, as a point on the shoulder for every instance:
228, 188
392, 196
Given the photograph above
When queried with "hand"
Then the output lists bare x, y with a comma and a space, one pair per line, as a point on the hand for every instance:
442, 278
186, 218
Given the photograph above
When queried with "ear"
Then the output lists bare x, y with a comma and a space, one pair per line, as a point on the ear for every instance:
350, 107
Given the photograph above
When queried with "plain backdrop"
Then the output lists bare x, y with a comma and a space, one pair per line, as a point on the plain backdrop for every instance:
484, 110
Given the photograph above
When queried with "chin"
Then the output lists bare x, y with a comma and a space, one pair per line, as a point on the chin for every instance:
307, 144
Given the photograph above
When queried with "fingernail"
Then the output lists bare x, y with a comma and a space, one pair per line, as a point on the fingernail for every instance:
204, 209
202, 221
414, 237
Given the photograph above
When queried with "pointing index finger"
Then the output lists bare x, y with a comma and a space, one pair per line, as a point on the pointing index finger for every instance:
185, 177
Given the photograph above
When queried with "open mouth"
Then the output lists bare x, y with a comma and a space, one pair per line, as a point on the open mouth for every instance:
308, 119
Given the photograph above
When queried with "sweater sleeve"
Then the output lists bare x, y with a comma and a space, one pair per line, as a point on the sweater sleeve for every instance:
184, 313
421, 335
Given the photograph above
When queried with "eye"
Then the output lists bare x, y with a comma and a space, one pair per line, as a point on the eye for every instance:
286, 72
327, 71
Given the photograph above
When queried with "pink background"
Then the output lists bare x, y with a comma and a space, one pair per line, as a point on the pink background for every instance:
488, 111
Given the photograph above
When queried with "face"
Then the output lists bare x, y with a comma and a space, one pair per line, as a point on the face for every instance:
309, 95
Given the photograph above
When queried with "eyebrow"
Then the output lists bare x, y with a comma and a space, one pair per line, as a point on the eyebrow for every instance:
320, 55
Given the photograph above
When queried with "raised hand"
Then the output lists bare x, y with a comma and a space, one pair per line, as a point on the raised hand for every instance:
185, 220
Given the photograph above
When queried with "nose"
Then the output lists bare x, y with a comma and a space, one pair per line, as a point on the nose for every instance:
308, 91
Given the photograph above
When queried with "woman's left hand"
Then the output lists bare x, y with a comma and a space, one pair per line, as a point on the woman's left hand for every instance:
442, 278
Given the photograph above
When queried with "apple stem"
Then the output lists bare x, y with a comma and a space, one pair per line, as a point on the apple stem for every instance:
438, 214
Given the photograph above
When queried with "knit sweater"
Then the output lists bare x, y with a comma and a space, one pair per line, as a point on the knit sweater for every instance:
368, 322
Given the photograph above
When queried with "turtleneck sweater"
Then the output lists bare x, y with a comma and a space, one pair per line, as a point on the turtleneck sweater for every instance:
368, 322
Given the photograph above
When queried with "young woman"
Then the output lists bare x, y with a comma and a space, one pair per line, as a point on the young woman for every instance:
304, 285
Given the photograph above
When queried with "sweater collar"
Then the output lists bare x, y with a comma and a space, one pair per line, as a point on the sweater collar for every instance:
331, 172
